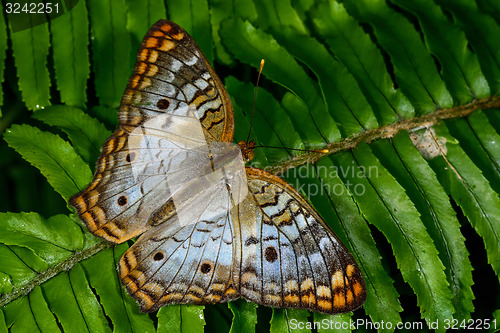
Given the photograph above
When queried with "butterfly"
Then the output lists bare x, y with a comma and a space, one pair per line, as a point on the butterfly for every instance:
260, 240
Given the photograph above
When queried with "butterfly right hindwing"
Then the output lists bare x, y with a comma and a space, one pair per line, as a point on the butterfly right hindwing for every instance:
290, 257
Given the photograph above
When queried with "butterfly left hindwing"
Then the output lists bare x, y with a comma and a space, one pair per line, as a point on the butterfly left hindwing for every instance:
193, 265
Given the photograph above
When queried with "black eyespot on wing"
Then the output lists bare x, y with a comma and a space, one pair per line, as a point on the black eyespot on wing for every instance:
270, 254
205, 268
122, 201
163, 104
158, 256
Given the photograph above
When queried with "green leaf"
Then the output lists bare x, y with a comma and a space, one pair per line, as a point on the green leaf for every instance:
192, 16
244, 316
54, 157
31, 260
354, 48
5, 283
345, 100
110, 49
476, 136
53, 240
177, 318
87, 301
71, 56
3, 49
480, 29
221, 10
272, 125
247, 43
385, 204
280, 13
140, 16
44, 318
299, 114
17, 272
496, 319
31, 48
464, 181
488, 138
69, 298
333, 323
30, 314
169, 317
85, 133
460, 67
421, 184
124, 315
414, 68
286, 320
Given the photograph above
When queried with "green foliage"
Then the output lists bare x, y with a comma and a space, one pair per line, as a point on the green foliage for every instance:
54, 157
403, 94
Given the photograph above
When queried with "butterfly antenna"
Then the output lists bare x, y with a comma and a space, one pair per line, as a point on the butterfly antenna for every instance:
255, 98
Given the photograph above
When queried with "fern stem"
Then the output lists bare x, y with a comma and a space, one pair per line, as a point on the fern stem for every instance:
65, 265
388, 131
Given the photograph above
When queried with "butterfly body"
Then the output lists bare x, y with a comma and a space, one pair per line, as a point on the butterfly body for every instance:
211, 229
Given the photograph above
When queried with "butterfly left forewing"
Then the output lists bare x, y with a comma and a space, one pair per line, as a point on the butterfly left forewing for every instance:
171, 74
113, 206
138, 172
172, 79
290, 257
